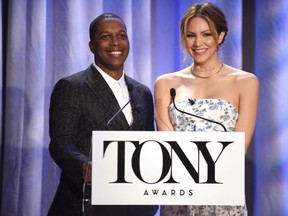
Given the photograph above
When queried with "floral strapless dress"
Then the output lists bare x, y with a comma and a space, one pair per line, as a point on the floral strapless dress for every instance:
217, 110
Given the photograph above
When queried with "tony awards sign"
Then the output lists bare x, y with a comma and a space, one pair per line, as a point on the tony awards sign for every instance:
167, 168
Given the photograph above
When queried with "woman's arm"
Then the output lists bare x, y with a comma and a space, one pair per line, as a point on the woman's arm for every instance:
162, 101
248, 86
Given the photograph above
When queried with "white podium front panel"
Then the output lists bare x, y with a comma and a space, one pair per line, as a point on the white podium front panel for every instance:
168, 168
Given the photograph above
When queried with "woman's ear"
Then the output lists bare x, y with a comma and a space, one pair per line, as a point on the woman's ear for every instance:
221, 37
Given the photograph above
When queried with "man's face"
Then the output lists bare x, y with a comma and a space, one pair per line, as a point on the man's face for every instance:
110, 46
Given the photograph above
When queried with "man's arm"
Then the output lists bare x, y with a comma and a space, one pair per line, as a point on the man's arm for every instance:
64, 117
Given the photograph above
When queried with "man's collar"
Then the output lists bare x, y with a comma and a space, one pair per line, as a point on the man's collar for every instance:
110, 81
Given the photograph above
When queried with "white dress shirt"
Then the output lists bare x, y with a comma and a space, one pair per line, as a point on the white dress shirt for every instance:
120, 90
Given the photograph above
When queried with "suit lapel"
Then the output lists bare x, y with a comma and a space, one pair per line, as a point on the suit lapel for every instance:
102, 90
135, 104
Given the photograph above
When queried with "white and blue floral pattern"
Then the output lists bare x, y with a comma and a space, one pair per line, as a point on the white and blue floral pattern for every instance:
217, 110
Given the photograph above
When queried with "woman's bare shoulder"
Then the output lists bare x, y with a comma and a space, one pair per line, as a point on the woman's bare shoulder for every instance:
171, 77
241, 75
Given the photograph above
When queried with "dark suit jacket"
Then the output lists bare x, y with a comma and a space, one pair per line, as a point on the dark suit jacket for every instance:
80, 104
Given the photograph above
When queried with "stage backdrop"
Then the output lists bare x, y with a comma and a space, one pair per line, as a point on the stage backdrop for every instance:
45, 40
271, 136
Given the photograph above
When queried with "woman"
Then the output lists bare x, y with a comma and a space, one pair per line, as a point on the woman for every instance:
208, 88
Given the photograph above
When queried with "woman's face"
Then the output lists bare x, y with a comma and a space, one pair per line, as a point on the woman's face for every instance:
199, 41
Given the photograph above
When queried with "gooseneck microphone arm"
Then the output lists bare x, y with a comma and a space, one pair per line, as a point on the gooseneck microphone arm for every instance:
114, 116
130, 89
173, 94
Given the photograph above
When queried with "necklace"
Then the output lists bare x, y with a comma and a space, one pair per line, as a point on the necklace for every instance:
206, 77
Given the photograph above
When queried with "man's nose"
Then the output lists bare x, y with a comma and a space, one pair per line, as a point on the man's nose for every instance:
114, 41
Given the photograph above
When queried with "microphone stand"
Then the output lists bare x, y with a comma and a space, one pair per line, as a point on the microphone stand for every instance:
86, 196
173, 94
86, 182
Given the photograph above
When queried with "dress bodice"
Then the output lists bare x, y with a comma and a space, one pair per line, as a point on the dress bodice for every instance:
217, 110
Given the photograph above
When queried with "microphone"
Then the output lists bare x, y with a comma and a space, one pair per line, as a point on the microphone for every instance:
192, 102
137, 109
173, 94
130, 89
86, 182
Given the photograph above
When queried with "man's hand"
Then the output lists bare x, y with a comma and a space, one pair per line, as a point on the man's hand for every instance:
87, 174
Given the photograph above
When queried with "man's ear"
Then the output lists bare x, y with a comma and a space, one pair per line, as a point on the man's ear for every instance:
91, 46
221, 37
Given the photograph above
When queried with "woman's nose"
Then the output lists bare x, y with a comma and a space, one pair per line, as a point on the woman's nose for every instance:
197, 41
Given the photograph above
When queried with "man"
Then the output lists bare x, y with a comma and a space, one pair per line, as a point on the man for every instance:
87, 101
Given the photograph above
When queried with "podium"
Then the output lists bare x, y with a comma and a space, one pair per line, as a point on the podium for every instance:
168, 168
